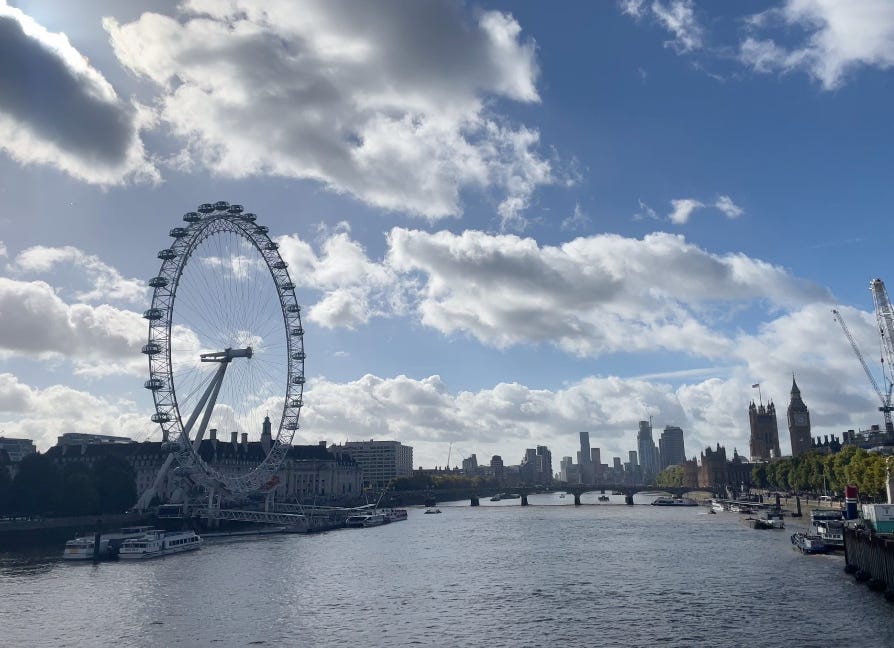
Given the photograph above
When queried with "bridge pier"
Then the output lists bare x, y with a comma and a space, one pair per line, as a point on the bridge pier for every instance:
628, 499
474, 500
577, 499
524, 499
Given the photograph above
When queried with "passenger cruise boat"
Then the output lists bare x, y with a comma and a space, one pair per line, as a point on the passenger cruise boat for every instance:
674, 501
81, 548
369, 519
374, 519
396, 515
157, 542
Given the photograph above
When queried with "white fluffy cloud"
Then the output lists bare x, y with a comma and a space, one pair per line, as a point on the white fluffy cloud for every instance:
106, 283
389, 102
35, 322
503, 420
590, 296
354, 287
840, 37
45, 414
71, 118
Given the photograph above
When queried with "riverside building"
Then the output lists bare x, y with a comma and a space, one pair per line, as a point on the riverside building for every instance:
380, 461
17, 449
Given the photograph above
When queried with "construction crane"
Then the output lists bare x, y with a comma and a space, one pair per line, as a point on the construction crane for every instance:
885, 397
885, 318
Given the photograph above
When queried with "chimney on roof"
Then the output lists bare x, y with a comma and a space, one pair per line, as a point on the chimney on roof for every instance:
234, 438
323, 444
245, 440
213, 434
164, 435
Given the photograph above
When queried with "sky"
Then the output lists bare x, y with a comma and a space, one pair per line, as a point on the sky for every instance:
507, 222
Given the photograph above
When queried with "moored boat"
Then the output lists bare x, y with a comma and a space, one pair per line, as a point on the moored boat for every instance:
432, 511
764, 523
809, 544
156, 542
82, 548
829, 525
602, 498
674, 501
396, 515
374, 519
356, 521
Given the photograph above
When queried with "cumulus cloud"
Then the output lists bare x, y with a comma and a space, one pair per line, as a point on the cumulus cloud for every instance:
57, 110
589, 296
44, 414
504, 419
99, 340
106, 283
840, 37
354, 287
390, 102
683, 209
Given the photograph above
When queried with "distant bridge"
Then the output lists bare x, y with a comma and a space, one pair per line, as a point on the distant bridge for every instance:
572, 489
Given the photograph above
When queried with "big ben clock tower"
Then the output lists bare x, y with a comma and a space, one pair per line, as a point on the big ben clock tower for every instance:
798, 422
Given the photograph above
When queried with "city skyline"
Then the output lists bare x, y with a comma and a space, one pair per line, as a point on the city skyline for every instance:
506, 223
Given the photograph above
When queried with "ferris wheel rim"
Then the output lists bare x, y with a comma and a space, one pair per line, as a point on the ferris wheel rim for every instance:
208, 221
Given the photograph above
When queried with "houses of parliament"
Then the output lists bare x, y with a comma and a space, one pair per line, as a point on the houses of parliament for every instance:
765, 430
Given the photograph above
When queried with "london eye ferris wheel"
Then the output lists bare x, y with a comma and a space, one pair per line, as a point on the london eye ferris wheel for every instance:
226, 344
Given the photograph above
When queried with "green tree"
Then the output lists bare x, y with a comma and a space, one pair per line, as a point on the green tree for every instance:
79, 496
671, 477
115, 482
759, 475
37, 486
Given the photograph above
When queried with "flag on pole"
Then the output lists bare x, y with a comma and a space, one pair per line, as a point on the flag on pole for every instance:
755, 385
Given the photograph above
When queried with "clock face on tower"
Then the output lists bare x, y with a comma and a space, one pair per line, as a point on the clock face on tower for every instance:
800, 419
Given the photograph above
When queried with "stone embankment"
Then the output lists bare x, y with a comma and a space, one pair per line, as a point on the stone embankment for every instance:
870, 558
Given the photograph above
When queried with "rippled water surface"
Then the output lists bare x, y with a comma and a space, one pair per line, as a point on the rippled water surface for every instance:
497, 575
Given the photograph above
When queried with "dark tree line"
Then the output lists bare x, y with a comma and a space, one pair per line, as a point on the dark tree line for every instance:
41, 487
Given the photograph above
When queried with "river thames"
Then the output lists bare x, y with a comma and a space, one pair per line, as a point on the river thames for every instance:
550, 574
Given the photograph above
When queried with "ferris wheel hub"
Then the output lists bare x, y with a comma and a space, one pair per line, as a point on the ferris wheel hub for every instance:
226, 355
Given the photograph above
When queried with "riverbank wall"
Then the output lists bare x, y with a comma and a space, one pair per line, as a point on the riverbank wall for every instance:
18, 533
869, 556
